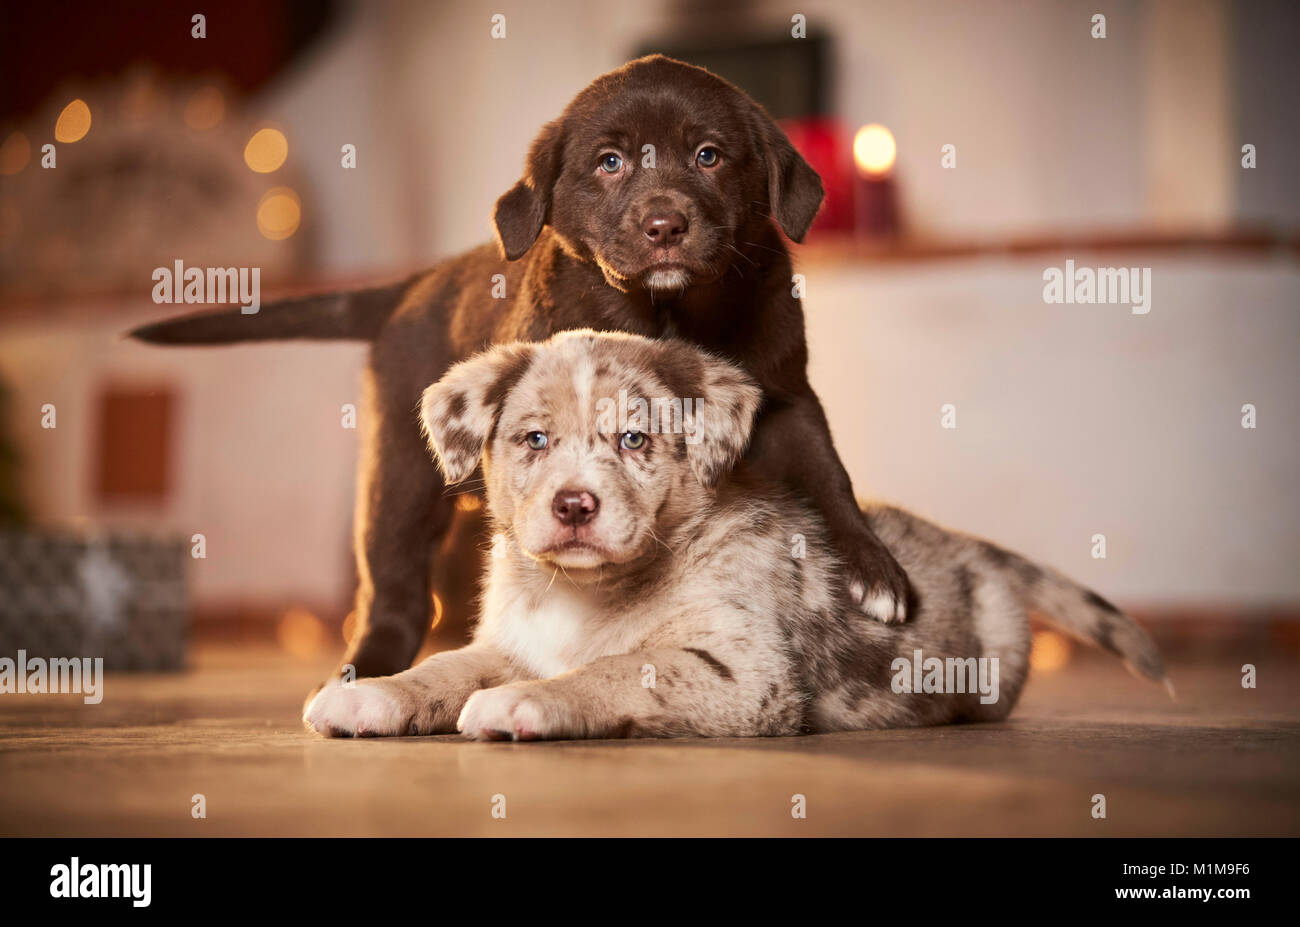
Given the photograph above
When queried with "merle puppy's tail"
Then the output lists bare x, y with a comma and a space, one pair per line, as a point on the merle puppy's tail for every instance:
355, 315
1082, 614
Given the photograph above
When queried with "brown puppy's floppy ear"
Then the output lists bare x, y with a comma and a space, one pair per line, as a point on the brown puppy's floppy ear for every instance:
793, 188
724, 402
460, 410
523, 209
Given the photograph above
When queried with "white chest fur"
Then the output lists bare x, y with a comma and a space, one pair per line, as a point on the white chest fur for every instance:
559, 631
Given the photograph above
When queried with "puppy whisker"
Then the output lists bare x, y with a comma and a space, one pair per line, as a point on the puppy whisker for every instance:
754, 244
745, 256
660, 541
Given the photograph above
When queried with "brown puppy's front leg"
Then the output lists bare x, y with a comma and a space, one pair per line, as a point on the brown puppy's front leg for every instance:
792, 445
426, 699
654, 693
402, 512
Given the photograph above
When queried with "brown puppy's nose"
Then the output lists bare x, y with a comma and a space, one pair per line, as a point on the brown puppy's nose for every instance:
664, 228
574, 507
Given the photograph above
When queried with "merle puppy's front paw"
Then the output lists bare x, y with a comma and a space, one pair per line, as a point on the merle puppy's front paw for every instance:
520, 711
364, 709
877, 584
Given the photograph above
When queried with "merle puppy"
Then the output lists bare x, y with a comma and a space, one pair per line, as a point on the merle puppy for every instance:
639, 587
646, 207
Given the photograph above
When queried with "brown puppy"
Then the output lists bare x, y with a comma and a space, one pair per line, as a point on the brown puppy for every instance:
646, 207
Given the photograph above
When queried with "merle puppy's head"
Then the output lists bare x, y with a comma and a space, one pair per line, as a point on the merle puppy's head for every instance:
657, 172
595, 447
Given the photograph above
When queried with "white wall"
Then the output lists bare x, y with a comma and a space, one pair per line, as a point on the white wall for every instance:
1079, 419
262, 466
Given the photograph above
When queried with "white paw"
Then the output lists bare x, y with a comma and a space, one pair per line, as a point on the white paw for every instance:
361, 710
881, 605
508, 713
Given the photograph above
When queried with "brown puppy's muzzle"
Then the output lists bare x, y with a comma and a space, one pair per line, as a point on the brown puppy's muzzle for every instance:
664, 228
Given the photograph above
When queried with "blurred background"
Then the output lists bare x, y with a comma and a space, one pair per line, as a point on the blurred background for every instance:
153, 496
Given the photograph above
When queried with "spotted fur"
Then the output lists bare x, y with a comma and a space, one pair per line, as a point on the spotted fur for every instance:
716, 605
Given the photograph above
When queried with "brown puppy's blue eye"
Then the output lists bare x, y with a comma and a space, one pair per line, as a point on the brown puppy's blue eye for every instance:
611, 163
708, 157
632, 441
536, 440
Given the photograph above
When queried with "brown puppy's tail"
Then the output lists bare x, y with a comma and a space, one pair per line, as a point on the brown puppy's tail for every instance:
357, 315
1083, 614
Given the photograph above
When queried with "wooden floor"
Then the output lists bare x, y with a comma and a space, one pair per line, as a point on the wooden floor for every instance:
1221, 760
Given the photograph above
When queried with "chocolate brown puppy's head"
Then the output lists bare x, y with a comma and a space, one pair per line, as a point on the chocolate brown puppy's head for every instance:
594, 446
658, 172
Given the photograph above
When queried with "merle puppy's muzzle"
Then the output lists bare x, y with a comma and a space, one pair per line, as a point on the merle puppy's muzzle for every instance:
573, 508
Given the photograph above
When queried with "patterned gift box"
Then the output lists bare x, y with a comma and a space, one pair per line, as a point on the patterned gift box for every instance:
114, 596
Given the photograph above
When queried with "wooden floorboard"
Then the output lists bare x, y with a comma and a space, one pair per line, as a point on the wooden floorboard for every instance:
1221, 760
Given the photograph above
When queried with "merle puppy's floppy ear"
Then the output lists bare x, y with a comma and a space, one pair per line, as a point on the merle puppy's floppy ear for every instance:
793, 188
726, 400
460, 410
524, 208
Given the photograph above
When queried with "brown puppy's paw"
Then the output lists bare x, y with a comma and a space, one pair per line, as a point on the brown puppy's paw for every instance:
363, 709
877, 584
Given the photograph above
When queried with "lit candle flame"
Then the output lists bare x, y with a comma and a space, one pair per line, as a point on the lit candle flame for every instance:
874, 150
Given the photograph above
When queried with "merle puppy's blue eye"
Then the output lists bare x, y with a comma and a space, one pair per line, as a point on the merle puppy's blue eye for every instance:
632, 441
611, 163
536, 440
708, 157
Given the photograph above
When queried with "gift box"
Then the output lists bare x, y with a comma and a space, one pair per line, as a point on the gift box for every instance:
119, 597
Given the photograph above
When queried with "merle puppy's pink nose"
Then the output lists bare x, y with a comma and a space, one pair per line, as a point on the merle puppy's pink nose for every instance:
574, 507
664, 228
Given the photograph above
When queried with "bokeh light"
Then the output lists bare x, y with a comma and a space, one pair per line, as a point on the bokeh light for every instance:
874, 150
1050, 652
301, 633
14, 153
73, 123
266, 151
468, 502
279, 213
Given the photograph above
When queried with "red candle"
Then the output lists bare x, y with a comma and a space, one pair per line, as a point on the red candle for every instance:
824, 145
875, 190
